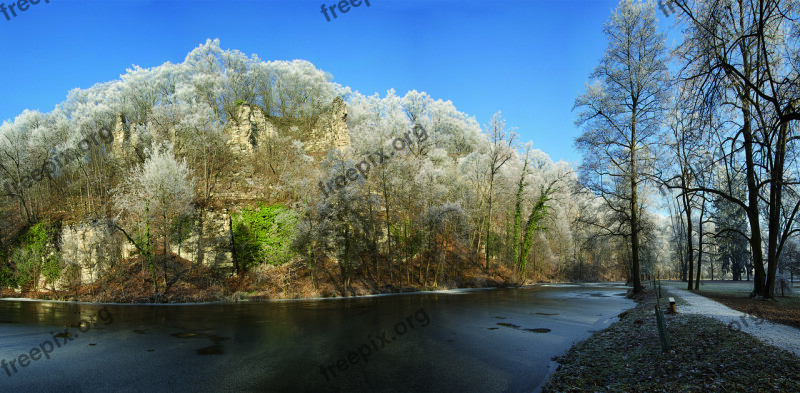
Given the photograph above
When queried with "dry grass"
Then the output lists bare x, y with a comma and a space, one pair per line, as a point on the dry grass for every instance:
705, 356
735, 294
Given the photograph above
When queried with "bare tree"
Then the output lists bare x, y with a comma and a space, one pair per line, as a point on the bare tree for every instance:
741, 61
160, 190
501, 149
620, 114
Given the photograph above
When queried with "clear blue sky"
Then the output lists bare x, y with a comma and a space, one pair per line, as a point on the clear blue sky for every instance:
529, 59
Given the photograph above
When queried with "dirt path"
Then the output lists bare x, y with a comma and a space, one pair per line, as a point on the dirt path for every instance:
782, 336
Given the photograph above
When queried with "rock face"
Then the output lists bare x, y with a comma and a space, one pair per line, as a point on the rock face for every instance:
210, 242
122, 136
249, 130
91, 249
126, 143
330, 130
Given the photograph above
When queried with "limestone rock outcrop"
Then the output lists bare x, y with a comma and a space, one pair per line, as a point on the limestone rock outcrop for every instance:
249, 130
95, 247
210, 242
92, 248
330, 131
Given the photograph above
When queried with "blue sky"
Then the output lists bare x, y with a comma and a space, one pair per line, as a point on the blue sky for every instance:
529, 59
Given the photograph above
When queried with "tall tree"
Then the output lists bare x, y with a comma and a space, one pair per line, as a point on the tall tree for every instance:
161, 190
501, 149
620, 113
740, 57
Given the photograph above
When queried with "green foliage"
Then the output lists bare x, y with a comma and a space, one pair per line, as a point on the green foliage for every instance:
264, 235
7, 277
239, 102
413, 244
494, 244
37, 237
31, 259
518, 209
538, 213
27, 267
51, 268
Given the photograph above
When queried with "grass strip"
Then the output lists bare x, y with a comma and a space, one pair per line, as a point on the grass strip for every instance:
705, 355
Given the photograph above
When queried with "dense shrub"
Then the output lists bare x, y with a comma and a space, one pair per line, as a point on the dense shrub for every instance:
34, 259
264, 235
7, 277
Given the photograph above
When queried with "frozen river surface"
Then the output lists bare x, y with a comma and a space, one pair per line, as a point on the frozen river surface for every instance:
458, 341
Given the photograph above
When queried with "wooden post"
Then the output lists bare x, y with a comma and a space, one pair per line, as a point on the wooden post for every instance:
672, 309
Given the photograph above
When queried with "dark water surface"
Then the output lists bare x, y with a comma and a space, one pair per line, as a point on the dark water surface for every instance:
462, 341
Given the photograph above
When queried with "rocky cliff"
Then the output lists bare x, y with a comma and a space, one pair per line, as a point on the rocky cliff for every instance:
91, 248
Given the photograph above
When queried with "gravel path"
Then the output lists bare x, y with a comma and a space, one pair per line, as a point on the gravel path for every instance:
782, 336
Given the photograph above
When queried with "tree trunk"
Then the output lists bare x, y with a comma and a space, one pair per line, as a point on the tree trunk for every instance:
700, 243
389, 253
775, 202
489, 220
687, 204
637, 282
759, 279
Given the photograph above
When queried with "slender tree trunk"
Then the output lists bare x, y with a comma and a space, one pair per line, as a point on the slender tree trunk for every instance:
687, 205
637, 283
700, 244
775, 202
759, 279
389, 253
518, 217
489, 220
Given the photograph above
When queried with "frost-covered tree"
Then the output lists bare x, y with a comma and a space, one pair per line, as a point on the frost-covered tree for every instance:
501, 149
159, 191
620, 113
740, 59
445, 227
20, 163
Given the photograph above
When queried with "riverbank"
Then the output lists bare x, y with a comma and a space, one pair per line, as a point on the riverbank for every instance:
705, 354
129, 283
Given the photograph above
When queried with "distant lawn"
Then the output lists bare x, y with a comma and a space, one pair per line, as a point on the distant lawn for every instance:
735, 294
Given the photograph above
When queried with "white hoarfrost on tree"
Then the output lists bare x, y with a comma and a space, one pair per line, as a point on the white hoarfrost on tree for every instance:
620, 113
157, 192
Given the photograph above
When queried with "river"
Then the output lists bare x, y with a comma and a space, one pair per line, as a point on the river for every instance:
487, 340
